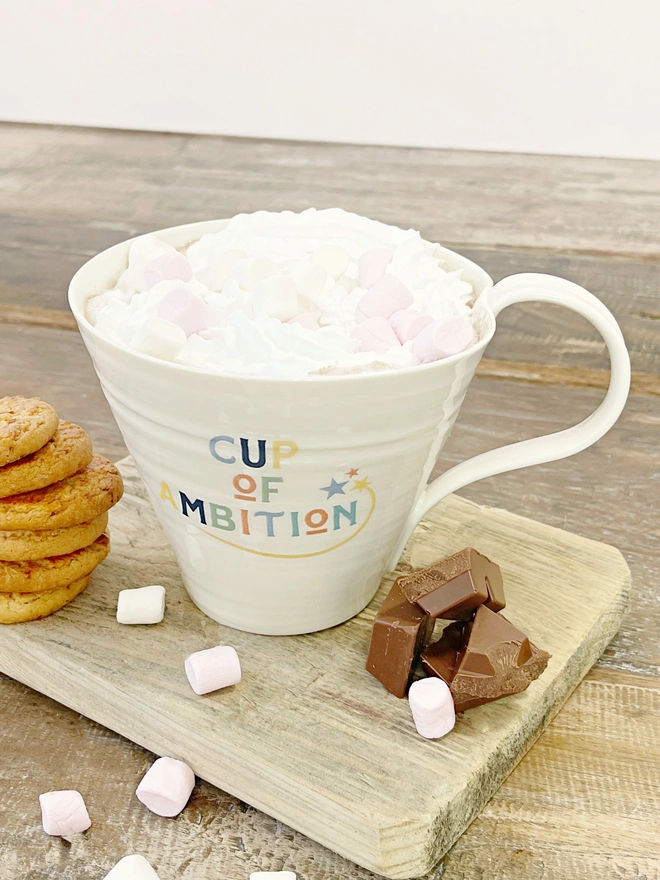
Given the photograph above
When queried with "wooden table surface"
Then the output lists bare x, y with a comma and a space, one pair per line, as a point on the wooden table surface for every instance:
585, 801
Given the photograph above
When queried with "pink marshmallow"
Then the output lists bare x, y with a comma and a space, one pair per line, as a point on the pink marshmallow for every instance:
376, 335
63, 813
386, 296
306, 320
170, 266
432, 707
443, 338
407, 324
186, 311
372, 265
166, 787
213, 669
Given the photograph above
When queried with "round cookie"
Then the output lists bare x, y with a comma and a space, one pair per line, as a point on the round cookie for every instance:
77, 499
68, 451
26, 424
24, 545
21, 607
52, 572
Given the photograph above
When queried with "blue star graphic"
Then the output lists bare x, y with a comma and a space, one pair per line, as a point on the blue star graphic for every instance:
334, 488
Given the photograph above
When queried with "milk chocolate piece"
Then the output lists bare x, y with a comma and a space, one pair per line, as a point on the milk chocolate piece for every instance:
497, 660
441, 658
401, 630
452, 588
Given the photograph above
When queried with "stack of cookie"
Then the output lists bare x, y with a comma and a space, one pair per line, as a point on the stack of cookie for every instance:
54, 500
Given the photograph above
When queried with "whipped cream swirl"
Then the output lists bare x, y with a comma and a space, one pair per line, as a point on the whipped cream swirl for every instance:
278, 294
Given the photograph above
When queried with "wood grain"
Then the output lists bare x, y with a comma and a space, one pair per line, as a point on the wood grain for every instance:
468, 198
308, 736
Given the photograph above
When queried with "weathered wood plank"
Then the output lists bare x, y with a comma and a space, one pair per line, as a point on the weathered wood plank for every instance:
608, 493
327, 751
480, 199
582, 803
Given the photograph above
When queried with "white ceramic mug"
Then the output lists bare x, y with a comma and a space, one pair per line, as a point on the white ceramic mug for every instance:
286, 500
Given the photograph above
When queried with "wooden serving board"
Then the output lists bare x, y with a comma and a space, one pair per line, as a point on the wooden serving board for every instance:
308, 736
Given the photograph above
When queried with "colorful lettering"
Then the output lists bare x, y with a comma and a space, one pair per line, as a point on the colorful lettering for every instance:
278, 451
197, 505
213, 442
245, 453
270, 516
339, 511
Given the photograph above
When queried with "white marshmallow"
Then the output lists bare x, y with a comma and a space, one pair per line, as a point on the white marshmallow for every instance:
310, 278
213, 669
141, 253
277, 296
63, 813
187, 311
160, 339
252, 270
334, 259
221, 263
278, 875
132, 868
432, 707
141, 605
166, 787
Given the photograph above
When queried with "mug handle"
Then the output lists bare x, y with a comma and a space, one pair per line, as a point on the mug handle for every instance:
531, 287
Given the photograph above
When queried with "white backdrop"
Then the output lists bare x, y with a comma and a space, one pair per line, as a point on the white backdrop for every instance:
559, 76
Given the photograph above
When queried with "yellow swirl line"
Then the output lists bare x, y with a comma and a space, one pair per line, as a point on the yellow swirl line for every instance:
299, 555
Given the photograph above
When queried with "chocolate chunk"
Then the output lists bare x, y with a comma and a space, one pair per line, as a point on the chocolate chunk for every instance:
401, 631
455, 586
441, 658
497, 660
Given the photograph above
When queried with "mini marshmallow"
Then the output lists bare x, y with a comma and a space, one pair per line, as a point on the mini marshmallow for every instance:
142, 251
407, 324
160, 339
306, 320
277, 296
386, 296
432, 707
213, 669
310, 278
333, 258
253, 270
376, 335
132, 868
166, 787
443, 338
141, 605
372, 265
279, 875
221, 264
63, 813
347, 283
187, 311
170, 266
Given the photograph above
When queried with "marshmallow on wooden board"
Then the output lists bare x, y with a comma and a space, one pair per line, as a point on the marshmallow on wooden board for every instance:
63, 813
375, 334
386, 296
443, 338
160, 339
252, 271
133, 867
306, 320
372, 265
221, 264
309, 277
432, 707
187, 311
170, 266
407, 323
143, 605
166, 787
277, 296
213, 669
277, 875
333, 258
